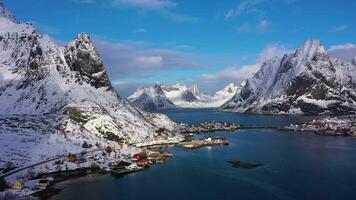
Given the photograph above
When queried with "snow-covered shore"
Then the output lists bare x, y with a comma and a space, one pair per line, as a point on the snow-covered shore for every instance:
334, 126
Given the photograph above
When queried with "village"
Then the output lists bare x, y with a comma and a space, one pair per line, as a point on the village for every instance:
38, 179
332, 126
188, 129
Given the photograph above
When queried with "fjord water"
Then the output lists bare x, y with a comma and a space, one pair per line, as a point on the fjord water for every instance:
296, 166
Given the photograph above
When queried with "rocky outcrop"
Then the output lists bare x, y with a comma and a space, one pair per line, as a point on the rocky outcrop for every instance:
83, 58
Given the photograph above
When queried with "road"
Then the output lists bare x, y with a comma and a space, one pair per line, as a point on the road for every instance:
43, 162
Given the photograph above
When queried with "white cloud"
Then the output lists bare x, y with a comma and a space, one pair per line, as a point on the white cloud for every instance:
232, 73
238, 74
271, 51
345, 51
129, 60
149, 61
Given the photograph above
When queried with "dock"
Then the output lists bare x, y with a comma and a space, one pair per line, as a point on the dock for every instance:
121, 172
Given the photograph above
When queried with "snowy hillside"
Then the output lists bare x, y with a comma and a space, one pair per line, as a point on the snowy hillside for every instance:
151, 98
307, 81
54, 96
222, 96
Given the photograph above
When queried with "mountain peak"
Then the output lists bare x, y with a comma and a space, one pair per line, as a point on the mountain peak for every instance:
82, 56
310, 48
231, 88
5, 13
83, 37
151, 98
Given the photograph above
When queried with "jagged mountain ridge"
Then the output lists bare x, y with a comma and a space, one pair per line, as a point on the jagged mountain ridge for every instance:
38, 77
151, 98
305, 82
180, 96
5, 13
193, 97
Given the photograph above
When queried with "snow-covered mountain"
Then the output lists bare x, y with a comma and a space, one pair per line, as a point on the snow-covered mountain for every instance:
193, 97
62, 95
222, 96
151, 98
307, 81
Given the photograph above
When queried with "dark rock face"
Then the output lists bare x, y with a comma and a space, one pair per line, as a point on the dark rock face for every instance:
28, 54
354, 61
82, 57
188, 96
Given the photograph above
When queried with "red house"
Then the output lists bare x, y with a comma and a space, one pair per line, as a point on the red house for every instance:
143, 163
140, 156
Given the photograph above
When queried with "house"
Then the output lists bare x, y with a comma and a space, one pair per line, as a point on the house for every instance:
72, 158
44, 183
18, 185
139, 156
143, 163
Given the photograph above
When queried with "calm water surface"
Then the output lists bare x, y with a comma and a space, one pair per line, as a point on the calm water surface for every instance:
296, 166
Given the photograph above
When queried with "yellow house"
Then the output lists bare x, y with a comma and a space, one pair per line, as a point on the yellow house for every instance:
44, 183
72, 158
18, 185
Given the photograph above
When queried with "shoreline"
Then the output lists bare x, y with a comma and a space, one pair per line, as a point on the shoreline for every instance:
183, 140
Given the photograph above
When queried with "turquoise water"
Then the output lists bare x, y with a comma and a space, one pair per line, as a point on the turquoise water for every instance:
296, 166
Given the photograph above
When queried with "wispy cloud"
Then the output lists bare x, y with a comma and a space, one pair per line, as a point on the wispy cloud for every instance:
263, 25
246, 6
244, 28
164, 8
339, 29
140, 30
149, 4
251, 6
84, 1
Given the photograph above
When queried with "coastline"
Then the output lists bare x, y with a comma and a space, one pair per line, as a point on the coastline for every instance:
179, 141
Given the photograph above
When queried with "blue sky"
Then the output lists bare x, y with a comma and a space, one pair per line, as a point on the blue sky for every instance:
207, 42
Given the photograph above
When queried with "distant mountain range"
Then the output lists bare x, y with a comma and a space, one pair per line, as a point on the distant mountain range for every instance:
167, 97
305, 82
